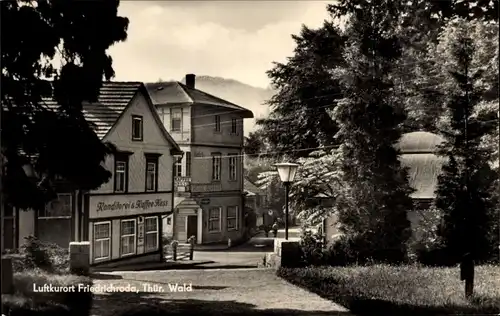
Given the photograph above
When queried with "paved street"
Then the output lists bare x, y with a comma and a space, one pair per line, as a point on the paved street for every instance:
214, 292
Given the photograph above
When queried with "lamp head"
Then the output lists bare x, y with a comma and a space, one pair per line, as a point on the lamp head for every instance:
287, 171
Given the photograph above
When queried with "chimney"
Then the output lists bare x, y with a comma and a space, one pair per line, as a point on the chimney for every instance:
190, 80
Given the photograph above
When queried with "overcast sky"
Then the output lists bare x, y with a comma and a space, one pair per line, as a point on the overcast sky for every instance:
230, 39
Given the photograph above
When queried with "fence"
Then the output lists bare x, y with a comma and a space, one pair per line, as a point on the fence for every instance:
179, 251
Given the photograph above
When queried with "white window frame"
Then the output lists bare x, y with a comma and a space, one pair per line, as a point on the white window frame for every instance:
124, 173
178, 168
234, 126
153, 175
211, 220
233, 173
173, 116
151, 232
141, 129
128, 235
217, 123
58, 198
216, 172
100, 240
188, 163
236, 218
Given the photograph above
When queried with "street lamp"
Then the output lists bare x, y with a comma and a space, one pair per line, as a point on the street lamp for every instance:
287, 171
177, 157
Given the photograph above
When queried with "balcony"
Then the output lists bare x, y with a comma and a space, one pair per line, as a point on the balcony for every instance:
183, 184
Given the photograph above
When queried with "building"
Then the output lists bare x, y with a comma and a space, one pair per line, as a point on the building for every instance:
418, 154
123, 218
209, 131
256, 203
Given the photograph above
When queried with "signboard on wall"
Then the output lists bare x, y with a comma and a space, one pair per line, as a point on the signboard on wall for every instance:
102, 206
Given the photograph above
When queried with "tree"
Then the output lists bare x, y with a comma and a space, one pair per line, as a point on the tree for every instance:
370, 121
464, 193
299, 120
254, 144
57, 142
419, 23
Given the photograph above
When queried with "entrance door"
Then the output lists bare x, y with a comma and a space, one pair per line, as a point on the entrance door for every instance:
192, 226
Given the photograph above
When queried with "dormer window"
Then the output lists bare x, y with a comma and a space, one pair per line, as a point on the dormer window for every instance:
137, 128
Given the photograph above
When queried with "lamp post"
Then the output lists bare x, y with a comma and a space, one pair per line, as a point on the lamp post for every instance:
287, 171
177, 157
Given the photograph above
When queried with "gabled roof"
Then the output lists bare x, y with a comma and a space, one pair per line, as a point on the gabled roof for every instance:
114, 98
249, 187
173, 92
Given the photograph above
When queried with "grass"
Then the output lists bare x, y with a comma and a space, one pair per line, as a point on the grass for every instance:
413, 290
26, 301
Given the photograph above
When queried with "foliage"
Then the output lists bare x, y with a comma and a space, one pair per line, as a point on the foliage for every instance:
466, 182
26, 301
254, 144
78, 35
35, 254
299, 120
400, 290
312, 248
370, 121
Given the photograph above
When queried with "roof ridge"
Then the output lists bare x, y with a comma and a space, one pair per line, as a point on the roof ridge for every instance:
210, 95
184, 89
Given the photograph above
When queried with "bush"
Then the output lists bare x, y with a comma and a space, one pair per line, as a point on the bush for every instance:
27, 301
35, 254
312, 249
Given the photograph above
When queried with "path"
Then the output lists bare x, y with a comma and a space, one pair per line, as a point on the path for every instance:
214, 292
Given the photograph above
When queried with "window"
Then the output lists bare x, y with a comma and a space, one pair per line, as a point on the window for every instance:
137, 127
188, 164
176, 120
214, 219
232, 167
234, 126
102, 240
127, 246
178, 168
217, 123
61, 207
151, 231
216, 165
151, 172
232, 218
121, 172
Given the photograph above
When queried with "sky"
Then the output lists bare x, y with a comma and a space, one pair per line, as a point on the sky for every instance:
230, 39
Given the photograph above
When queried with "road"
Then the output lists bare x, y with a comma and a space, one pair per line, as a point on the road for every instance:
209, 292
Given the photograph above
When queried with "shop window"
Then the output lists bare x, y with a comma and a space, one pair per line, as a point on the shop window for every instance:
102, 240
151, 232
128, 237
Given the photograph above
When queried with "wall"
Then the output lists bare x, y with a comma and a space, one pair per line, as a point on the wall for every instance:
201, 157
26, 225
203, 129
221, 201
153, 142
122, 205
